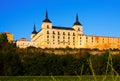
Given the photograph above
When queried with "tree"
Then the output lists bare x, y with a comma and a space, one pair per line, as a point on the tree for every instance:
3, 40
1, 65
116, 63
12, 64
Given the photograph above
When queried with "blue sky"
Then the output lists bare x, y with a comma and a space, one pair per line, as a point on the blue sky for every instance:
98, 17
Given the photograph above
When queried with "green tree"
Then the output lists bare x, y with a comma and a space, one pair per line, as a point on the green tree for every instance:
35, 64
3, 40
1, 64
12, 64
54, 65
116, 63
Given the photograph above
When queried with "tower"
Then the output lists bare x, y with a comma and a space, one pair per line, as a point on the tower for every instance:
46, 24
34, 32
77, 25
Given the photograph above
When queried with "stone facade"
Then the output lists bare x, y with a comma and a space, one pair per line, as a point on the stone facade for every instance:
51, 36
23, 43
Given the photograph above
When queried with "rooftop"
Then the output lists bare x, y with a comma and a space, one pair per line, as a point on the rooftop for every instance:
63, 28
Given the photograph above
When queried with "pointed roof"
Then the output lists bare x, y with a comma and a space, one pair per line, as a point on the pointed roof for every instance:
77, 21
46, 18
34, 30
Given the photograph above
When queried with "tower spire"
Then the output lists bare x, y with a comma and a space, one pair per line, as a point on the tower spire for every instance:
77, 21
46, 17
34, 30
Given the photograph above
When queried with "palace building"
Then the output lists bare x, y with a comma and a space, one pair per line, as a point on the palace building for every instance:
50, 36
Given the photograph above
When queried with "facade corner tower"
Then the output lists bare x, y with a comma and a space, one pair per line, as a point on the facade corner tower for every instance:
34, 32
77, 25
46, 24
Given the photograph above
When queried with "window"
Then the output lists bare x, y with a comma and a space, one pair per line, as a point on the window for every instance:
80, 40
47, 39
68, 43
78, 29
58, 41
92, 39
86, 39
73, 34
63, 33
80, 37
47, 32
63, 37
68, 40
58, 33
68, 33
58, 37
53, 32
53, 36
47, 26
47, 36
80, 44
68, 37
73, 39
97, 41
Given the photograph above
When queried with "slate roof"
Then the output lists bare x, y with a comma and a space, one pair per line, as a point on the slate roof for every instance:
64, 28
34, 30
77, 21
46, 18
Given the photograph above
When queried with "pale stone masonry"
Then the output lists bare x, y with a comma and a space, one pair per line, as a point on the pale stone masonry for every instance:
50, 36
9, 36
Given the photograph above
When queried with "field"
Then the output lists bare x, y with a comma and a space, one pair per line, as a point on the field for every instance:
58, 78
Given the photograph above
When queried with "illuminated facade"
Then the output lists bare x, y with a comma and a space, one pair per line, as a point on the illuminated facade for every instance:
23, 43
9, 37
51, 36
